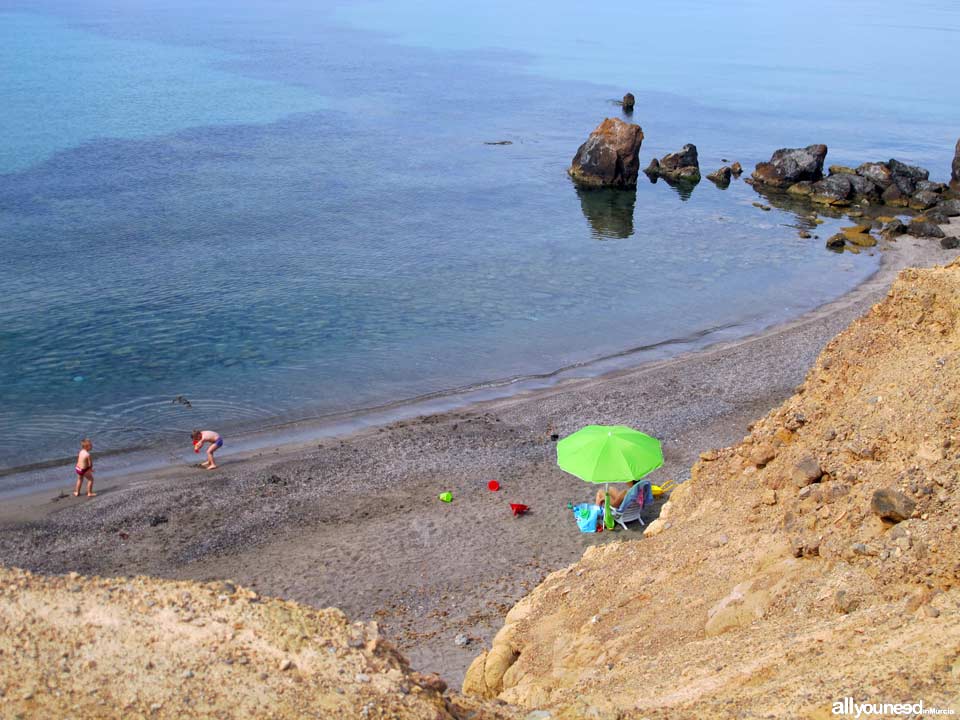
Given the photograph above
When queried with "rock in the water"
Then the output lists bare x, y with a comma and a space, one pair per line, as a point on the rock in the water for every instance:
682, 166
789, 166
833, 190
836, 242
950, 243
721, 176
859, 235
890, 504
893, 195
911, 171
893, 228
736, 169
955, 168
876, 172
921, 227
610, 156
804, 187
841, 170
930, 186
628, 102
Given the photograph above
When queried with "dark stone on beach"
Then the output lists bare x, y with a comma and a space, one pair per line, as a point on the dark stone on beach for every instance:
610, 156
788, 166
890, 504
931, 186
950, 208
951, 242
878, 173
721, 177
935, 215
923, 199
609, 210
893, 228
628, 101
955, 168
833, 190
158, 520
920, 227
682, 166
737, 169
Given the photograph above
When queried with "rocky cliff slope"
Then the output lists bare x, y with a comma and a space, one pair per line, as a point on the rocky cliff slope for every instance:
74, 647
817, 559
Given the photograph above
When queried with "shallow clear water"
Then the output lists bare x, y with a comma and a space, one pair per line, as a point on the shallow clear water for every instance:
280, 210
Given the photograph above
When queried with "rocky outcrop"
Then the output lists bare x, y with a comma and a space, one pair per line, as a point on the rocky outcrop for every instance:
628, 102
610, 157
789, 166
721, 177
682, 166
773, 575
955, 168
139, 647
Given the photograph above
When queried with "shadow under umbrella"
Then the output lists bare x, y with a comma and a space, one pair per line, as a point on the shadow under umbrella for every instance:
608, 210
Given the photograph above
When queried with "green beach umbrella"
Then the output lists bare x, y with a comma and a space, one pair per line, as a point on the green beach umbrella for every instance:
609, 453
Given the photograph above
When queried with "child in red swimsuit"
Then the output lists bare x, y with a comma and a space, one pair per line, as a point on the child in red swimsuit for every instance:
84, 468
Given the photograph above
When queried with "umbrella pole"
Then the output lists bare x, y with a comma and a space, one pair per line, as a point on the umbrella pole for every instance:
607, 512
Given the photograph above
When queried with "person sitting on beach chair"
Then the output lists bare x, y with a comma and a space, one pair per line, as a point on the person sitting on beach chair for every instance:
616, 494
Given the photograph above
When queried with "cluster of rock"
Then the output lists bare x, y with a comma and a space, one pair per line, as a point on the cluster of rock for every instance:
610, 157
682, 166
799, 171
722, 176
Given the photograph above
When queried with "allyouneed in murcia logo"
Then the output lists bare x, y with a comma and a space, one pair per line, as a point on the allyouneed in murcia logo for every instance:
849, 706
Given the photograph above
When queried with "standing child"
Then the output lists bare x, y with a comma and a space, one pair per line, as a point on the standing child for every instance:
207, 436
84, 468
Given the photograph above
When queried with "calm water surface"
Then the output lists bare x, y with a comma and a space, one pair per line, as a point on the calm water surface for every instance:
281, 210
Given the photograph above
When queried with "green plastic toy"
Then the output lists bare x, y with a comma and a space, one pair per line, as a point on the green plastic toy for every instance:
446, 496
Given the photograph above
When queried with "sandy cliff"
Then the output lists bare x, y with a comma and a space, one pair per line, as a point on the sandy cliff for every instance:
819, 558
75, 647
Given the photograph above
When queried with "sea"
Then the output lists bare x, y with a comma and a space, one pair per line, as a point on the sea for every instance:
264, 214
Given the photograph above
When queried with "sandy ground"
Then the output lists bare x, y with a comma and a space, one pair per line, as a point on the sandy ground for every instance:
355, 522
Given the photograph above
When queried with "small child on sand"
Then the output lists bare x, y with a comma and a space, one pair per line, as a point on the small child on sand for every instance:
207, 436
84, 468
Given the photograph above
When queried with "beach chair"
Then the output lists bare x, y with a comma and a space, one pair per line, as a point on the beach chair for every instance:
637, 498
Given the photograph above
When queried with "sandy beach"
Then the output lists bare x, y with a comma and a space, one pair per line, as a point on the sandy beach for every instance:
354, 521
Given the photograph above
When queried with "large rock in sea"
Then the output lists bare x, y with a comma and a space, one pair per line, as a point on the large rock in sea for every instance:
955, 168
791, 165
610, 157
682, 166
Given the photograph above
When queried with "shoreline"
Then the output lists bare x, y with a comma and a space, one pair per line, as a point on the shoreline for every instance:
353, 521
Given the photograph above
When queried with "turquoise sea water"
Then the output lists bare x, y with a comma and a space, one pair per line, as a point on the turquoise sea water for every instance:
281, 210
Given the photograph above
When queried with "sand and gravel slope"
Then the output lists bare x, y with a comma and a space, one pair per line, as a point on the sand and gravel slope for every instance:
817, 559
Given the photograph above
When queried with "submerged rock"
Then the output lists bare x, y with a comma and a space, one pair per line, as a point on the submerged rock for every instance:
682, 166
788, 166
610, 156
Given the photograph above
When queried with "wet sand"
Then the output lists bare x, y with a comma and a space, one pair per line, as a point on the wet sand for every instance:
354, 521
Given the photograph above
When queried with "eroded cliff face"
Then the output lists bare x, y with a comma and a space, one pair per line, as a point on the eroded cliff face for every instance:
114, 648
817, 559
